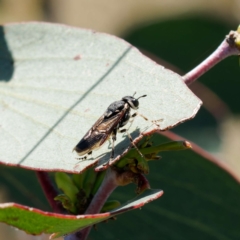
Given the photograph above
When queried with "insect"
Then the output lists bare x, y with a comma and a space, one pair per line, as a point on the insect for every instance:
115, 117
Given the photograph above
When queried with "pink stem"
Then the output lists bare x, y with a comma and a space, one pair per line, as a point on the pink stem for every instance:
49, 191
226, 48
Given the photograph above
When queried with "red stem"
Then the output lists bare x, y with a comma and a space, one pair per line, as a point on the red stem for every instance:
49, 191
225, 49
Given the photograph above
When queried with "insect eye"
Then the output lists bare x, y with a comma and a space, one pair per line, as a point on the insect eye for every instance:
133, 102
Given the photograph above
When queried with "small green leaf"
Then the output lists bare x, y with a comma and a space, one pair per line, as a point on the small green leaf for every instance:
89, 179
67, 203
98, 181
138, 164
66, 184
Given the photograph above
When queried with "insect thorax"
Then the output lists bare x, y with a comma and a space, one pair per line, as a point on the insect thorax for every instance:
114, 108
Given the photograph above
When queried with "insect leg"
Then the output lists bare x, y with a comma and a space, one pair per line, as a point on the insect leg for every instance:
85, 157
155, 122
130, 121
131, 140
133, 116
139, 114
114, 138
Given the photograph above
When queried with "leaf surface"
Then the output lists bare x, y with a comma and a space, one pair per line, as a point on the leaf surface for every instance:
56, 81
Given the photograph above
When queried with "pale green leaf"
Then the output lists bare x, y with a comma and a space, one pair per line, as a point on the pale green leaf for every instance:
56, 81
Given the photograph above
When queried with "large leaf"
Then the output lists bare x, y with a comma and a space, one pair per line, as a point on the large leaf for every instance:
35, 222
56, 81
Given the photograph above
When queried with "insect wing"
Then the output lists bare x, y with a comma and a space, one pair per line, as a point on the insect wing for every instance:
92, 142
98, 134
90, 139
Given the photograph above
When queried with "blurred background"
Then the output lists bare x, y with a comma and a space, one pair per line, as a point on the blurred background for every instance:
178, 35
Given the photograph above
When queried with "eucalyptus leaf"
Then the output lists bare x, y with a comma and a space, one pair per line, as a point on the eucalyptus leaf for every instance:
59, 224
56, 81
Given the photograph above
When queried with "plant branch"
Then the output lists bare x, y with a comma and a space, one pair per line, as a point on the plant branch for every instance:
229, 47
107, 187
49, 191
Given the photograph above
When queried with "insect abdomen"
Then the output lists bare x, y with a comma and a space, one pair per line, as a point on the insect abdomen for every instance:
87, 144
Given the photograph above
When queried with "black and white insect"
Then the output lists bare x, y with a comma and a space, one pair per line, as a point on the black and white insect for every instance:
115, 117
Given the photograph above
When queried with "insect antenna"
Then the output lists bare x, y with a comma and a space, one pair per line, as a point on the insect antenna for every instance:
141, 96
